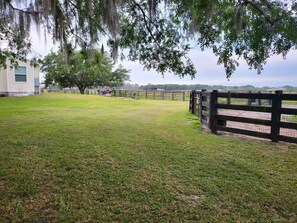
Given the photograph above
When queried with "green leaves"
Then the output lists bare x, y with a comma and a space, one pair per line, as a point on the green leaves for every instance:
252, 30
157, 33
85, 70
155, 39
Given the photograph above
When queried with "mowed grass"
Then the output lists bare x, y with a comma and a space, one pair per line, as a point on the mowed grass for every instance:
82, 158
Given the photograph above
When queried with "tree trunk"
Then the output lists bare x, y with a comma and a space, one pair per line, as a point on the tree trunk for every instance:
81, 90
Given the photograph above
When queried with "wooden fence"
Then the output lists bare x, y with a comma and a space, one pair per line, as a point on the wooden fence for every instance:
75, 91
206, 105
156, 95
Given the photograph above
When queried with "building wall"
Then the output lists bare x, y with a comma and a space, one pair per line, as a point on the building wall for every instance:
15, 88
3, 82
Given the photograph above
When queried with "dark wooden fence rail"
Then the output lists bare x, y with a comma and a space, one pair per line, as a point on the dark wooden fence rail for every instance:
206, 105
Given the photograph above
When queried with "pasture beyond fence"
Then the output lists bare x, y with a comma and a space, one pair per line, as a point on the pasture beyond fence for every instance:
153, 94
265, 115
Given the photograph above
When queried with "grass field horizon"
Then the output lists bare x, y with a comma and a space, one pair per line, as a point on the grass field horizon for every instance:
86, 158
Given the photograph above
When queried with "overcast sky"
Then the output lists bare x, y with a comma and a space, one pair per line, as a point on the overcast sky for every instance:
277, 72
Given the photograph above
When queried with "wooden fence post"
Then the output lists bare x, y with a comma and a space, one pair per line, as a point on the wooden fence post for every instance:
199, 95
200, 103
259, 100
213, 111
190, 102
191, 105
195, 109
276, 116
229, 98
250, 100
184, 96
145, 94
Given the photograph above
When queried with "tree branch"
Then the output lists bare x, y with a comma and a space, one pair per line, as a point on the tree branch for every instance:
255, 6
26, 11
145, 17
86, 14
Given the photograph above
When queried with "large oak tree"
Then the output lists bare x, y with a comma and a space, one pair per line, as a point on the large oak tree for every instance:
82, 71
157, 32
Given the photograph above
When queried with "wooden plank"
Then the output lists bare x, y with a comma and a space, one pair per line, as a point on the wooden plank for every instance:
289, 97
205, 113
205, 123
206, 93
288, 125
288, 139
289, 111
204, 98
205, 103
244, 120
245, 95
243, 132
245, 108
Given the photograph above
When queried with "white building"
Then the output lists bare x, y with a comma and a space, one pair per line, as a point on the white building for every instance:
21, 80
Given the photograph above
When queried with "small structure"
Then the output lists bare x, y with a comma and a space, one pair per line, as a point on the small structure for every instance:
19, 80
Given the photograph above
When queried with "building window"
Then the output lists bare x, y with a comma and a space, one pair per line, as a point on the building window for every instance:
20, 74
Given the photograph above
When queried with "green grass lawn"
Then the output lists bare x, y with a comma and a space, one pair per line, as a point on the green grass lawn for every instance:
290, 102
83, 158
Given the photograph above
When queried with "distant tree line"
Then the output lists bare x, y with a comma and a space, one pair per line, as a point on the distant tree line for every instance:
129, 86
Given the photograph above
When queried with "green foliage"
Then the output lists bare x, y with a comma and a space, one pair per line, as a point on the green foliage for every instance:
155, 38
84, 71
17, 43
252, 30
158, 33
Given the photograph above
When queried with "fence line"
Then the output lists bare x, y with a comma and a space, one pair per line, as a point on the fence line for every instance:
156, 95
264, 115
137, 94
75, 91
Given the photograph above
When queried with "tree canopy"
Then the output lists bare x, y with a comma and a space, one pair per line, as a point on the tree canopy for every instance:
84, 71
157, 33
